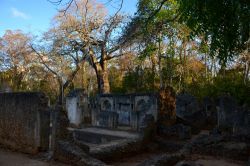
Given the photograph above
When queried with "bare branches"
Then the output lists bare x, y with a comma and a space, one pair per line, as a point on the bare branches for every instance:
43, 61
109, 57
57, 2
67, 4
86, 9
119, 9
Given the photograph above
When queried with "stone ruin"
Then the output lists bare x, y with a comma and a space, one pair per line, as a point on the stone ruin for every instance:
111, 111
104, 128
233, 118
77, 106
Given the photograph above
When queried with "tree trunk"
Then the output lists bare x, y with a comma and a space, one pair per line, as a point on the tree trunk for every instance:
159, 62
101, 71
104, 82
206, 75
102, 78
246, 72
61, 92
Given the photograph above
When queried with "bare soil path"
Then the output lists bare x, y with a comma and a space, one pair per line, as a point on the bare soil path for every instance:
9, 158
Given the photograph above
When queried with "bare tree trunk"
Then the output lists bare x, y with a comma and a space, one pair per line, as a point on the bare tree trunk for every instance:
206, 75
246, 72
101, 71
160, 72
104, 81
159, 62
102, 78
184, 63
61, 92
171, 65
153, 69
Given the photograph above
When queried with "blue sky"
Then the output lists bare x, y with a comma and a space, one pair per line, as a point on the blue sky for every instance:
35, 15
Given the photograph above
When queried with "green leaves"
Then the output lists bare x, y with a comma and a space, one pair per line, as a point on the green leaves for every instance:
225, 22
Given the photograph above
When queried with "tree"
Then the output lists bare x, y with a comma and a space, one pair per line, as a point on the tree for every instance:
16, 56
160, 35
60, 57
225, 24
88, 27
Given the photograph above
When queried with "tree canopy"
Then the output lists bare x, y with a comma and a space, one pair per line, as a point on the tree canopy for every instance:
200, 47
224, 24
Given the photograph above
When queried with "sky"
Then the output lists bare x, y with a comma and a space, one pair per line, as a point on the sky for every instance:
34, 16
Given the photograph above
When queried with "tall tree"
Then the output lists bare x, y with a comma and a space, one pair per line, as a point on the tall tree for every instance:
88, 27
16, 56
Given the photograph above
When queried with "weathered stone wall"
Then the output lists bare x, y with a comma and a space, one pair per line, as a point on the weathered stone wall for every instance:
24, 121
77, 107
232, 117
131, 109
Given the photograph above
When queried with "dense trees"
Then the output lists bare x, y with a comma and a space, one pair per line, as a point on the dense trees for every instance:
189, 45
195, 42
224, 24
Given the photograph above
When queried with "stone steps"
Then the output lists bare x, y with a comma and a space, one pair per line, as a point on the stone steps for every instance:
107, 132
104, 144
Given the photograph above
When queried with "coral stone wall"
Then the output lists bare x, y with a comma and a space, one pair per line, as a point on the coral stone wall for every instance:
24, 121
130, 108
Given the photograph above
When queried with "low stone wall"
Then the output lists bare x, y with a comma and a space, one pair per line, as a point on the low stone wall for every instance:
24, 121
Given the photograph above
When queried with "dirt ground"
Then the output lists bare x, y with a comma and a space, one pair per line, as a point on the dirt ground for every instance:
202, 160
213, 161
9, 158
216, 162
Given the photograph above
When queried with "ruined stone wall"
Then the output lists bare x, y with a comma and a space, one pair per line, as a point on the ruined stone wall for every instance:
131, 109
232, 117
77, 108
24, 121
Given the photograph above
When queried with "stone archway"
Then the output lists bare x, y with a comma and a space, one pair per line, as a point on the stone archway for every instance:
106, 106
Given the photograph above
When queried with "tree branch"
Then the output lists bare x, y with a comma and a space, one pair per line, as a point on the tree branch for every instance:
43, 62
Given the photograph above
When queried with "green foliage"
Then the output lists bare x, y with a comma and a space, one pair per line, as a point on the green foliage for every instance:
148, 51
225, 23
140, 81
115, 80
231, 83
